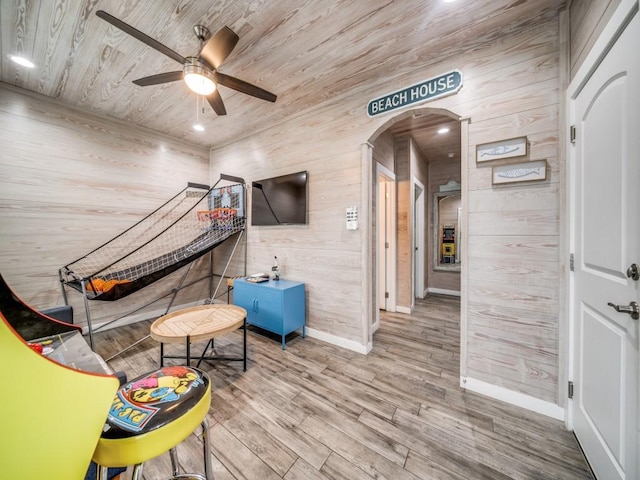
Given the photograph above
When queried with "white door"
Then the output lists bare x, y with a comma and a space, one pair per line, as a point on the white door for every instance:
386, 235
418, 238
383, 244
606, 241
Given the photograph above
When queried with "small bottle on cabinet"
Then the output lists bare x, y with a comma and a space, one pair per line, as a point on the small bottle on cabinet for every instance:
274, 269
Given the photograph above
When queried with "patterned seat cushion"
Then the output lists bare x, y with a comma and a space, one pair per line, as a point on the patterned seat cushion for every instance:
154, 400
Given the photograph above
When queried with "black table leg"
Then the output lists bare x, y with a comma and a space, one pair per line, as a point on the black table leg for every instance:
202, 357
244, 341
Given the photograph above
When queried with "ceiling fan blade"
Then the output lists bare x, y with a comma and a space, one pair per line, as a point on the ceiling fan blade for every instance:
159, 78
218, 47
215, 100
143, 37
244, 87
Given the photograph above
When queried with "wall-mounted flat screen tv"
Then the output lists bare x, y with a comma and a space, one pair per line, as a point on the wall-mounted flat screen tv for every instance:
279, 200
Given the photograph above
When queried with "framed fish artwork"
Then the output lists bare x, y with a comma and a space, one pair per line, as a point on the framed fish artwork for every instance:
522, 172
513, 147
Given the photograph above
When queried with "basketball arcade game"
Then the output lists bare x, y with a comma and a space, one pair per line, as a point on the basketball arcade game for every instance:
186, 227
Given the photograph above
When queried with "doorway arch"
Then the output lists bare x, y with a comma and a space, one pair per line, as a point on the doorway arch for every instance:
370, 177
413, 113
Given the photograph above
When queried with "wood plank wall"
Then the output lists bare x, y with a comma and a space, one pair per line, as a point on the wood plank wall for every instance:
510, 89
323, 254
420, 172
70, 181
404, 224
383, 150
409, 165
513, 236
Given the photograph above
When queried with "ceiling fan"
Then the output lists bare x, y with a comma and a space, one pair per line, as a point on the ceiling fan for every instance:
200, 73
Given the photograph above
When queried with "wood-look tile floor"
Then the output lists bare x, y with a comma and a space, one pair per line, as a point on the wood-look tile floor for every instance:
315, 411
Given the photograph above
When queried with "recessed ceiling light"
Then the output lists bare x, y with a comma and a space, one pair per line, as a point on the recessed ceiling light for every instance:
198, 128
21, 61
443, 130
448, 1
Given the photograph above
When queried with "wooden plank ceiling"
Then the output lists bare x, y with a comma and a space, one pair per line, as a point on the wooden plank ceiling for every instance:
305, 51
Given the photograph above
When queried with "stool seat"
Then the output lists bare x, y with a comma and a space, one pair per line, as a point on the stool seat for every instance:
152, 414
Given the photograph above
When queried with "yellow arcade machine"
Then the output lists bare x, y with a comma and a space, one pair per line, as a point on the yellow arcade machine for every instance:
448, 251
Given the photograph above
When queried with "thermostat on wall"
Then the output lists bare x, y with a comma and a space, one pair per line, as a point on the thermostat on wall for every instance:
352, 218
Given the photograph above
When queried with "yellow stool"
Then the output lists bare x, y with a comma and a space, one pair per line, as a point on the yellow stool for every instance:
153, 414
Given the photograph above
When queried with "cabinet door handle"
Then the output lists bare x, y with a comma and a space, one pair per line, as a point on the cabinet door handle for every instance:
255, 305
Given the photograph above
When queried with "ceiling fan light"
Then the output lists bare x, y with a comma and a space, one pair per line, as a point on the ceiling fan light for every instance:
199, 80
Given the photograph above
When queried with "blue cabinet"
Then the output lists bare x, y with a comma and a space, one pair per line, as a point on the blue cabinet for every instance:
278, 307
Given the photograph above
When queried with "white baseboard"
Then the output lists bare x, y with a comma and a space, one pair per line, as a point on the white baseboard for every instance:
514, 398
338, 341
444, 291
406, 310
